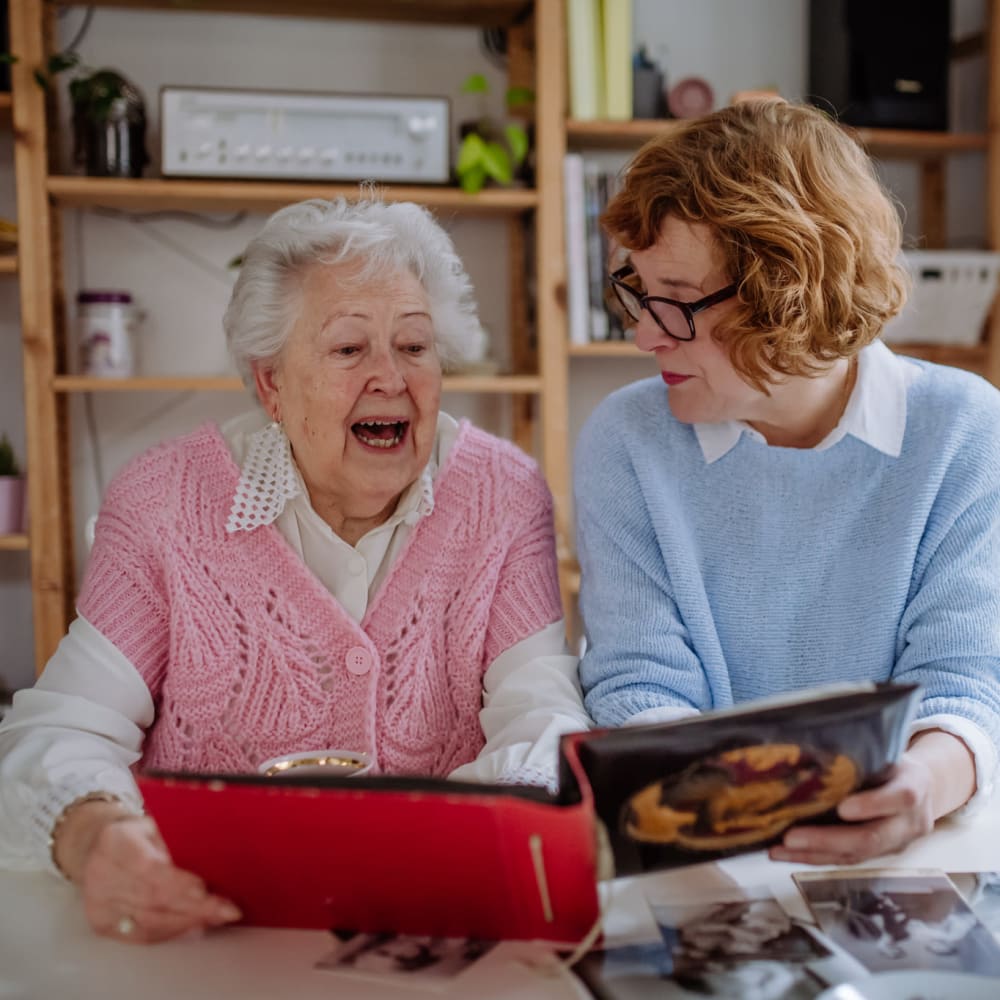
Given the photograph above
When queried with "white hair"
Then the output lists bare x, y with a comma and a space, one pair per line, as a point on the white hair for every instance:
377, 237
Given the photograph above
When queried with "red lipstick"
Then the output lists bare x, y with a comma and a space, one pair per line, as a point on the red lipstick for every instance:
672, 378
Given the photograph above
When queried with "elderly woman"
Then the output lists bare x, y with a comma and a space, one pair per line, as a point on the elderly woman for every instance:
789, 503
345, 567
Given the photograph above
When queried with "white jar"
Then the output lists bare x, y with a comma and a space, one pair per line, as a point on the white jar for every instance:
105, 333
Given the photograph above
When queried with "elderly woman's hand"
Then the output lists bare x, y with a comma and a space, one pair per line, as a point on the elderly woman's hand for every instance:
934, 777
131, 889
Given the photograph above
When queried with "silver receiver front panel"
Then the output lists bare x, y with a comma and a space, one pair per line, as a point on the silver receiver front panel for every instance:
207, 132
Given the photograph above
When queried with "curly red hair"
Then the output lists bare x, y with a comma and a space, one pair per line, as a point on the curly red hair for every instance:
800, 221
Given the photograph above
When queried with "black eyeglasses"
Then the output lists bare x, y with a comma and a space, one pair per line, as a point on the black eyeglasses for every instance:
675, 319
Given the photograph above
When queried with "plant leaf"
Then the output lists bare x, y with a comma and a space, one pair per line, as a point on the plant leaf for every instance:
476, 84
62, 61
470, 153
497, 163
473, 179
517, 139
40, 78
519, 96
8, 57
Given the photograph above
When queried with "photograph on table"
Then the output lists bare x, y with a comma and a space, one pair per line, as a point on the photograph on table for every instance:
731, 943
981, 890
743, 943
419, 961
900, 919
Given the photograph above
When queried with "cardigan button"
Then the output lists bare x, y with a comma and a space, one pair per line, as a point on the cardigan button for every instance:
358, 660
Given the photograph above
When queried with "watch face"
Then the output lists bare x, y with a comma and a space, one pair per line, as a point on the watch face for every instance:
690, 97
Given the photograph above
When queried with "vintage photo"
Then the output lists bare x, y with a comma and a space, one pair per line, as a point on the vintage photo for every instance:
900, 919
422, 960
981, 890
745, 946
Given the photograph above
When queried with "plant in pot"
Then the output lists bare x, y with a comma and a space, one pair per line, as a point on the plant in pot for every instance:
491, 151
109, 116
11, 490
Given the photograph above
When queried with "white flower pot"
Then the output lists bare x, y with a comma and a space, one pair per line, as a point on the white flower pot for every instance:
11, 505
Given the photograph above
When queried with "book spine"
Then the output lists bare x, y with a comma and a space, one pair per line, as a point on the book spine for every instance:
576, 250
617, 22
586, 59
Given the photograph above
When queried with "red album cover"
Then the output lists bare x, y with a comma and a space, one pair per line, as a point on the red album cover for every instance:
414, 856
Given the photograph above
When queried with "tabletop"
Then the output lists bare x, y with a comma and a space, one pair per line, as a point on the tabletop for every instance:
47, 950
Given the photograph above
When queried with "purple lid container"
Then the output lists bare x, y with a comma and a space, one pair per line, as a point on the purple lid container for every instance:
83, 298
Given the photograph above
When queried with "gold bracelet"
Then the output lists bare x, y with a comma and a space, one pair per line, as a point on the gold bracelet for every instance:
108, 797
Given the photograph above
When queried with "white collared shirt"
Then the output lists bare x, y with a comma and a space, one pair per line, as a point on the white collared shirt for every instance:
875, 412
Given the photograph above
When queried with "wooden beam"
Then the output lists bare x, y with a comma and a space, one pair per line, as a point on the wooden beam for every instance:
933, 223
484, 13
43, 417
993, 180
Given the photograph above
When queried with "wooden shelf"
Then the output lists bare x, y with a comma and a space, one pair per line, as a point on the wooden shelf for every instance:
973, 358
474, 12
13, 543
8, 263
605, 349
885, 143
485, 384
6, 105
159, 194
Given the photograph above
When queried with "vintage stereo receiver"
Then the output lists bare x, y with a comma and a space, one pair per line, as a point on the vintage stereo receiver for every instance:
209, 132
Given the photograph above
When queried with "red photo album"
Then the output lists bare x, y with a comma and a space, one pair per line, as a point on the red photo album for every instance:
415, 856
431, 856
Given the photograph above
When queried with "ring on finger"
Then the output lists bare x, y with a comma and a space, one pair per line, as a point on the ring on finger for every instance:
125, 926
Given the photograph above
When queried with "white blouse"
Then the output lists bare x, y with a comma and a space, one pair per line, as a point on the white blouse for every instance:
81, 727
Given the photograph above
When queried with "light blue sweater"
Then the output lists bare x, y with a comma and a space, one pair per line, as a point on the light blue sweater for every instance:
771, 569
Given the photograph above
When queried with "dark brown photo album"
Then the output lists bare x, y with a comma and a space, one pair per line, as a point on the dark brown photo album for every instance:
732, 781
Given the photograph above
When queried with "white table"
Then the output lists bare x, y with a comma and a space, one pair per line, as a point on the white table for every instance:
47, 950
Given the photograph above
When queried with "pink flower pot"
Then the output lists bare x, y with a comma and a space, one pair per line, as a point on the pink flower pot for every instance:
11, 505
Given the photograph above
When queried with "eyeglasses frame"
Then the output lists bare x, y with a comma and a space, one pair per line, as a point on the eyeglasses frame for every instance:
688, 309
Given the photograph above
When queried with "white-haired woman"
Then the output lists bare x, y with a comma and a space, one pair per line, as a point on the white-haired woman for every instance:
346, 566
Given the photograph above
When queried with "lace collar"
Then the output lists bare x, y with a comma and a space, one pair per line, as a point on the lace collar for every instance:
270, 480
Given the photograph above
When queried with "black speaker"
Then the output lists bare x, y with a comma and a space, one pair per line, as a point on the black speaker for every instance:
881, 63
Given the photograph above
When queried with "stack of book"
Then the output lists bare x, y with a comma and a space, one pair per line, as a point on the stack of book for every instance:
587, 188
600, 58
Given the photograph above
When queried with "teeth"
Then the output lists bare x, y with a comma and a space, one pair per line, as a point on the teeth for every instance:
381, 442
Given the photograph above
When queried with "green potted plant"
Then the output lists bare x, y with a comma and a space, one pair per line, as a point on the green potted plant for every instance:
11, 490
491, 151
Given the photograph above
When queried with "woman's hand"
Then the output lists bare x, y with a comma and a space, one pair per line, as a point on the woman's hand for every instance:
935, 776
131, 889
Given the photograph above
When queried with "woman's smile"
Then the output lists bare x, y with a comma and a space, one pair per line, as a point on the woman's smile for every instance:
381, 434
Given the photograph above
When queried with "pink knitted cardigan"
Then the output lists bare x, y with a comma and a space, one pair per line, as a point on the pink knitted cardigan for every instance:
248, 656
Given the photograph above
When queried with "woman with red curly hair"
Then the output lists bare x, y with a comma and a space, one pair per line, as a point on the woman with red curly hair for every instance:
790, 503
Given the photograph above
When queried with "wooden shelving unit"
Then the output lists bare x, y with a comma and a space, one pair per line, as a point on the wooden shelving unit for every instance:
8, 263
540, 388
502, 384
887, 143
158, 194
13, 543
537, 386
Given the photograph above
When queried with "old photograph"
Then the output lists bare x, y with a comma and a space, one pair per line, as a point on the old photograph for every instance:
421, 960
892, 920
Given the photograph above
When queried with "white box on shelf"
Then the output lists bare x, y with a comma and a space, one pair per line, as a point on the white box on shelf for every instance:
950, 299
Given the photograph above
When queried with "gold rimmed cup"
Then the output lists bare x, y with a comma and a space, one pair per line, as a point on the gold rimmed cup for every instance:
317, 763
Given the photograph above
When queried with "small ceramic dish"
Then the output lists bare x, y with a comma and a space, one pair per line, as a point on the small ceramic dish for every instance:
315, 763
